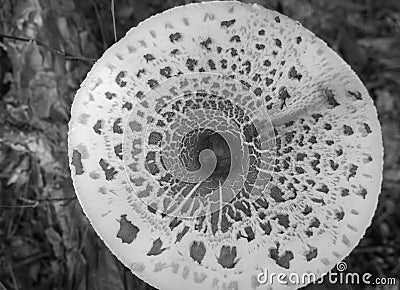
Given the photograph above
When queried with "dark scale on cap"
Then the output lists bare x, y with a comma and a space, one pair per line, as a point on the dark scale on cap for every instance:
356, 95
139, 95
300, 156
352, 171
152, 83
166, 72
333, 165
339, 215
267, 63
283, 95
250, 234
277, 19
310, 182
312, 140
197, 251
363, 193
110, 95
268, 81
175, 51
246, 84
277, 194
367, 128
247, 65
118, 151
152, 168
323, 189
119, 78
283, 260
289, 136
97, 127
127, 231
149, 57
206, 43
228, 23
109, 171
240, 205
117, 126
127, 105
211, 64
306, 128
261, 32
314, 163
327, 126
151, 209
77, 162
224, 63
283, 220
233, 52
235, 38
191, 63
266, 227
260, 46
307, 210
174, 37
258, 92
227, 257
298, 39
278, 42
180, 235
299, 170
140, 72
287, 149
312, 254
155, 138
345, 192
316, 116
330, 96
156, 248
293, 74
262, 202
347, 130
282, 179
256, 77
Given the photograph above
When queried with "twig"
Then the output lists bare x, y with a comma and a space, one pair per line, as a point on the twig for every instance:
53, 50
12, 274
83, 238
2, 286
365, 250
31, 259
36, 203
103, 36
113, 19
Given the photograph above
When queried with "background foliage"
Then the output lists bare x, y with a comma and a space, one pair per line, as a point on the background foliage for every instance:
45, 240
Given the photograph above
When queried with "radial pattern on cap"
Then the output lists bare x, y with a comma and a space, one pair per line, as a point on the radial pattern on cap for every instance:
219, 139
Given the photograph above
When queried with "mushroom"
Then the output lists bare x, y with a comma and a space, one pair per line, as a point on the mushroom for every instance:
219, 139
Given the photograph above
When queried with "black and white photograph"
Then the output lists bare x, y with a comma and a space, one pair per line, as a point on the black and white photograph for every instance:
199, 145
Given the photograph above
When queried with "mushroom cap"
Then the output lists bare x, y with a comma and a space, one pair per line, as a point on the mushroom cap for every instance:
309, 173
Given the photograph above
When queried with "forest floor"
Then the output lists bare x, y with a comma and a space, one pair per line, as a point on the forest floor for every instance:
45, 240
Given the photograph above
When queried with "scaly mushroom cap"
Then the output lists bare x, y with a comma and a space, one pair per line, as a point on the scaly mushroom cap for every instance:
219, 139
